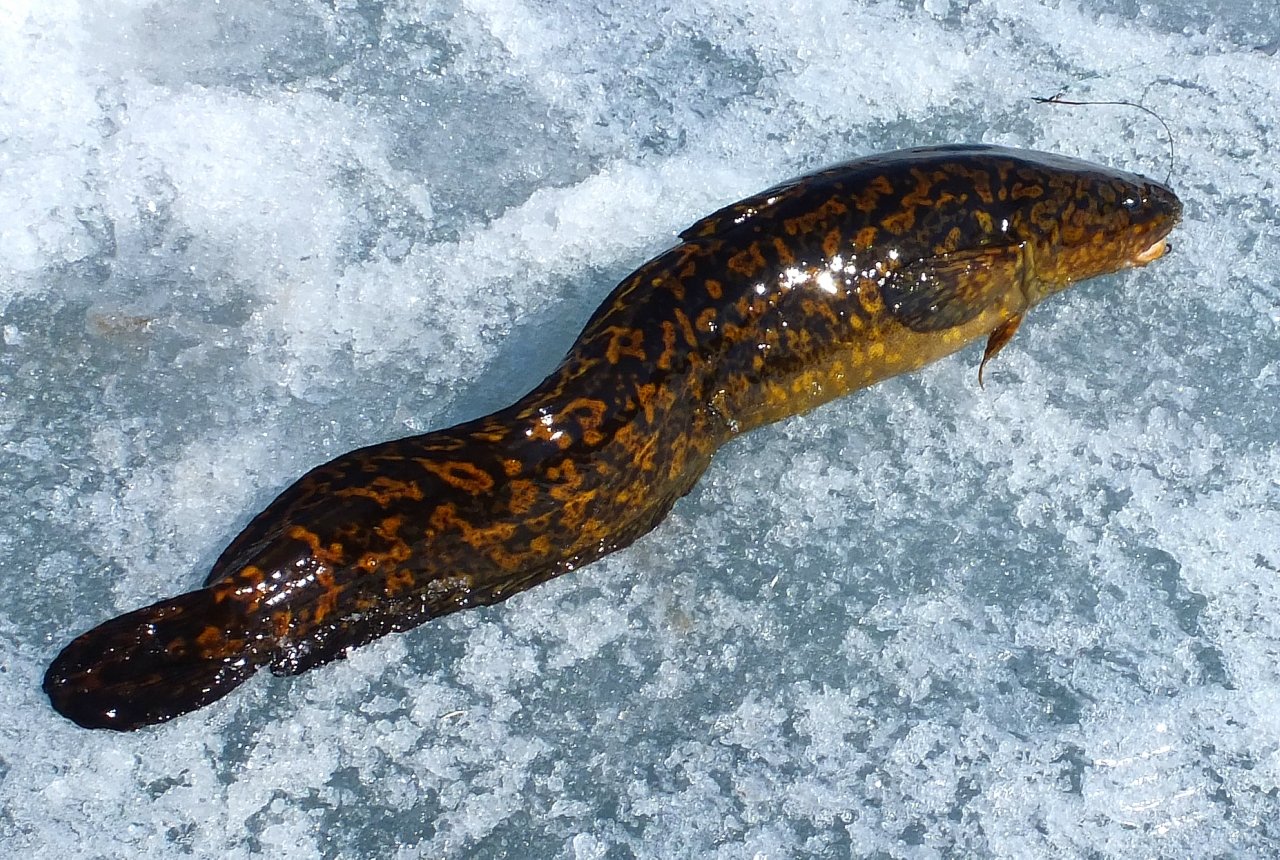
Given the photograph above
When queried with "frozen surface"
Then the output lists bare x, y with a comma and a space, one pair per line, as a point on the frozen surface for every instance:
1040, 620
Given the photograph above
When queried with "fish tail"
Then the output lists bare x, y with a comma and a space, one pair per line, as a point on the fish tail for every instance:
158, 662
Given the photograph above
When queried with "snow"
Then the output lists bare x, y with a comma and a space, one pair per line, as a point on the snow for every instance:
1040, 619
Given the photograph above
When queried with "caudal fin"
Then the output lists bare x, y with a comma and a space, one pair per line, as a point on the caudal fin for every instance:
158, 662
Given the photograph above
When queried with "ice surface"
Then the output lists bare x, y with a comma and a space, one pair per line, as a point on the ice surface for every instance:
1036, 620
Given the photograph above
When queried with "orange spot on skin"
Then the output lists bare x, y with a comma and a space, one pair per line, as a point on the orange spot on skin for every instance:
872, 192
686, 328
389, 528
397, 582
831, 243
900, 222
490, 435
783, 251
460, 474
952, 241
331, 555
247, 580
646, 395
748, 261
665, 361
918, 196
327, 600
624, 341
384, 491
643, 447
552, 433
811, 221
706, 320
822, 309
281, 621
523, 495
490, 537
1027, 191
869, 297
575, 510
210, 639
589, 413
567, 480
445, 519
976, 179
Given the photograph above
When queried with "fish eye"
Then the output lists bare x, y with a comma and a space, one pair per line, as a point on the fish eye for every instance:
1132, 202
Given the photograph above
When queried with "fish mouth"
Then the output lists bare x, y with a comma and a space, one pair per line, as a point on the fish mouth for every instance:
1155, 252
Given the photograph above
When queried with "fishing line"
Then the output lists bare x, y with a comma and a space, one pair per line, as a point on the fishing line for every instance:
1059, 100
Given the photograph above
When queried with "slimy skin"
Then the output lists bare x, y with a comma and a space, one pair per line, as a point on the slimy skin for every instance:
767, 308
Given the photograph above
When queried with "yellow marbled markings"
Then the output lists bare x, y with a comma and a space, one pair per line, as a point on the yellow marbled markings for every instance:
1026, 191
465, 476
748, 262
624, 341
870, 195
706, 320
384, 490
782, 248
521, 496
831, 243
589, 413
326, 554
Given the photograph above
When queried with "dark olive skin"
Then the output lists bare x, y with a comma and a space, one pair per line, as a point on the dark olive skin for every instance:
767, 308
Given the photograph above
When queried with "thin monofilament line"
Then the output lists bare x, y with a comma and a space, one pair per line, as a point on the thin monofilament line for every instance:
1059, 100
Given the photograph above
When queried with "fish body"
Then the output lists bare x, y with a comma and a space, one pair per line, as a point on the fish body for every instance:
767, 308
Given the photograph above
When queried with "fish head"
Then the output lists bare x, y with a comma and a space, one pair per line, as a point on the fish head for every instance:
1080, 220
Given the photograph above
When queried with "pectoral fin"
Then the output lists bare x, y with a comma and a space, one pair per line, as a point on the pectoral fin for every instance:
947, 290
1002, 335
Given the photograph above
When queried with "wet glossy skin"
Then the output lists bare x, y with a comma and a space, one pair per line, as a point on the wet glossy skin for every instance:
767, 308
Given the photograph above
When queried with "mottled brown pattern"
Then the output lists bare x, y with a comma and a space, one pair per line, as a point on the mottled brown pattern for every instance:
767, 308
